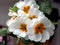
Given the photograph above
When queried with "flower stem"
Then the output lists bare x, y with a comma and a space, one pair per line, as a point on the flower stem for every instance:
17, 41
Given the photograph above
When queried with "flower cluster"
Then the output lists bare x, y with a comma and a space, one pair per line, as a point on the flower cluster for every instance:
29, 22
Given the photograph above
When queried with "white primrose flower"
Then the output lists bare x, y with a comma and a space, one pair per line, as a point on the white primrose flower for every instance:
26, 6
33, 14
40, 29
19, 27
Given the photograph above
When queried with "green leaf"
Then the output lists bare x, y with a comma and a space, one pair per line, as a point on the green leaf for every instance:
26, 42
46, 7
55, 23
3, 31
15, 9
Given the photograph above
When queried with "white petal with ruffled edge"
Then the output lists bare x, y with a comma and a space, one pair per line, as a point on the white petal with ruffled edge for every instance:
45, 36
20, 4
9, 22
35, 38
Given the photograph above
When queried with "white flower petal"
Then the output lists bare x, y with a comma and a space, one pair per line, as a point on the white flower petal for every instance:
34, 6
19, 33
35, 37
9, 22
30, 28
16, 32
50, 29
15, 25
51, 32
11, 13
20, 4
21, 13
45, 36
22, 34
28, 1
11, 30
45, 21
36, 12
31, 2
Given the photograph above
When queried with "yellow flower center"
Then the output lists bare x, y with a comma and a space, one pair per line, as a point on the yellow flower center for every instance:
39, 28
14, 17
23, 27
32, 17
26, 9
